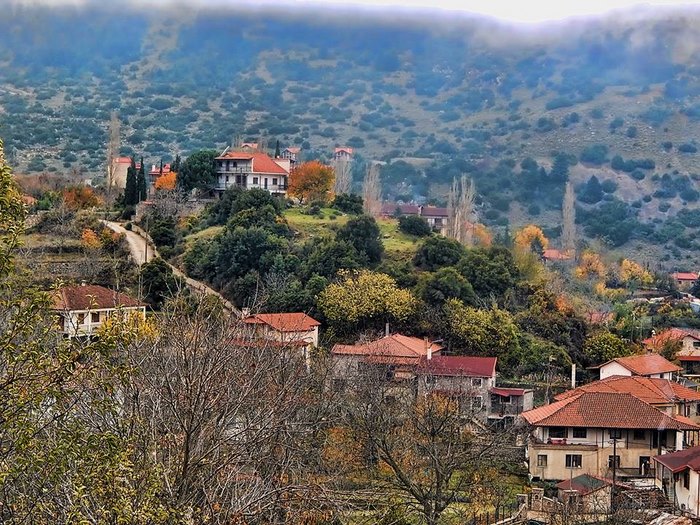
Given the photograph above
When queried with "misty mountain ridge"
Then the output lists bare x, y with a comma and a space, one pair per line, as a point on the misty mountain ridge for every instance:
614, 98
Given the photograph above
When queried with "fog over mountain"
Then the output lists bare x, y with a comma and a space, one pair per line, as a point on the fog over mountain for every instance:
437, 94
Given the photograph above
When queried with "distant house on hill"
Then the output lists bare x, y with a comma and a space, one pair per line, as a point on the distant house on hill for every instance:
80, 310
434, 216
343, 153
685, 280
119, 167
291, 154
251, 170
646, 365
155, 173
249, 147
554, 255
688, 338
293, 329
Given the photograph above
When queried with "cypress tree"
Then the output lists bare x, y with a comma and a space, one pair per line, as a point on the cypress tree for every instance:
141, 187
278, 154
130, 191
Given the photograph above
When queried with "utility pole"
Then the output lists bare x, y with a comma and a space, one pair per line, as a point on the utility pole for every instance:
614, 480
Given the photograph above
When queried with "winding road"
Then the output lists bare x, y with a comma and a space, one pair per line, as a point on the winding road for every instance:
143, 250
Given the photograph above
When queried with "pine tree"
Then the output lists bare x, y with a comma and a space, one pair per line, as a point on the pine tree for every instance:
278, 154
141, 186
175, 166
131, 191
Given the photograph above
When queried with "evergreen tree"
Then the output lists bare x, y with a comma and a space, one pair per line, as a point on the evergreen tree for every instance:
141, 186
277, 150
130, 191
175, 166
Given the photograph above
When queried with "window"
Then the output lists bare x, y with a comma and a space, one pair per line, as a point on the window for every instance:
573, 460
226, 179
557, 432
95, 317
476, 381
430, 380
477, 402
255, 180
614, 461
687, 410
638, 435
274, 182
686, 478
581, 433
615, 433
696, 344
541, 460
81, 318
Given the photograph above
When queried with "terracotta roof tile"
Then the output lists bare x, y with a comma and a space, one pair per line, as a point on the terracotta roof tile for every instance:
91, 297
604, 410
505, 392
458, 366
395, 345
647, 364
671, 334
432, 211
685, 276
584, 484
286, 322
652, 390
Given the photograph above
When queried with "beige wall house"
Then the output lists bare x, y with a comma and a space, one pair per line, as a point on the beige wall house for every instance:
251, 169
80, 310
284, 328
646, 365
595, 432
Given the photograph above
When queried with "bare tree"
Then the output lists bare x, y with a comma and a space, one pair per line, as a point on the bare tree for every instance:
569, 220
343, 176
461, 212
372, 191
113, 145
424, 450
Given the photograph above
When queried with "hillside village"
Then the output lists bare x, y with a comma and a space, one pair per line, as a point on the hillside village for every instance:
442, 298
619, 437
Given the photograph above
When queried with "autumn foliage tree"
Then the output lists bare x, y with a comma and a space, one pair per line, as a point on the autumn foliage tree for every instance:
312, 181
81, 198
167, 181
529, 237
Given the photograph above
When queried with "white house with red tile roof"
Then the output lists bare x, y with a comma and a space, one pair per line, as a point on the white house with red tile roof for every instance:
294, 327
342, 153
80, 310
594, 432
646, 365
678, 475
251, 170
689, 353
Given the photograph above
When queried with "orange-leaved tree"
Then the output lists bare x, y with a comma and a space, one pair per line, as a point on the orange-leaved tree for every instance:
312, 181
531, 238
81, 198
166, 181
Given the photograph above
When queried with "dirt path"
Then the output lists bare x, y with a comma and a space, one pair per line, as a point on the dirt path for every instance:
143, 250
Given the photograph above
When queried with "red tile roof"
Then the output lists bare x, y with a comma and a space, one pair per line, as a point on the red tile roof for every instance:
688, 458
261, 162
392, 346
293, 322
122, 160
646, 364
293, 150
458, 366
552, 254
604, 410
584, 484
389, 208
652, 390
685, 276
155, 170
505, 392
345, 149
672, 334
91, 297
432, 211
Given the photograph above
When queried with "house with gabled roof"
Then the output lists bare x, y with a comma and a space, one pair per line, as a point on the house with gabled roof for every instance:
668, 396
342, 153
646, 365
251, 169
678, 475
598, 432
81, 309
285, 329
685, 280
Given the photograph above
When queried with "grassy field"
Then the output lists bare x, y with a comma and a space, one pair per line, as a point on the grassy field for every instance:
396, 243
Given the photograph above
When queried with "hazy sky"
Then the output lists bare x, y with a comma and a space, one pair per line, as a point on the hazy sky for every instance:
521, 11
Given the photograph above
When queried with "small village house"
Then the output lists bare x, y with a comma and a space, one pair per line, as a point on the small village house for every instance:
251, 169
593, 494
678, 475
435, 217
598, 432
80, 310
508, 403
292, 154
685, 280
293, 329
342, 153
688, 341
647, 365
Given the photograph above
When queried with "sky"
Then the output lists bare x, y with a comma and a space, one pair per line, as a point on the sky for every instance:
528, 12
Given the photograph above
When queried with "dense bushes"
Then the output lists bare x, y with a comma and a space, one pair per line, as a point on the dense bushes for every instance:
414, 225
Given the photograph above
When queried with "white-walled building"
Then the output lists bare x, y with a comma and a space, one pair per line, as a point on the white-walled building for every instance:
80, 310
678, 475
251, 169
646, 365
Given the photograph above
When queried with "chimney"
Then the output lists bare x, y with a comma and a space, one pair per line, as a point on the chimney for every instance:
573, 375
428, 348
386, 330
